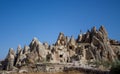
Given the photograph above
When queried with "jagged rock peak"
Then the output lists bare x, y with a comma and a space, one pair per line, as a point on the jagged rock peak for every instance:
46, 45
18, 49
26, 49
11, 51
9, 60
35, 38
103, 30
92, 46
93, 29
19, 46
35, 41
61, 35
61, 39
34, 44
72, 40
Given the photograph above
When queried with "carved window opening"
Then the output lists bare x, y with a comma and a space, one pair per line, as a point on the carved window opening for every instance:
86, 46
70, 47
61, 56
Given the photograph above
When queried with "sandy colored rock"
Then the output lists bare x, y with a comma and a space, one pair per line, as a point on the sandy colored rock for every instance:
89, 47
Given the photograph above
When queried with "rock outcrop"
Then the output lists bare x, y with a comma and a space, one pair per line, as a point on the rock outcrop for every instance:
9, 60
92, 46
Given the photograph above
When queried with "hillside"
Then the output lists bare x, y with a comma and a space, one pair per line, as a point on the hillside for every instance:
91, 50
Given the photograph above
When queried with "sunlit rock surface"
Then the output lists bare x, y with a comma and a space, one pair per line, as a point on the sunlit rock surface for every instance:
89, 48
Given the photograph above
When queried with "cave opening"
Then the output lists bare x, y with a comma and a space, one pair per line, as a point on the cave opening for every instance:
61, 56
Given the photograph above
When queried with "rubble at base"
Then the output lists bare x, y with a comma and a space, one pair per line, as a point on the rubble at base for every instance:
88, 49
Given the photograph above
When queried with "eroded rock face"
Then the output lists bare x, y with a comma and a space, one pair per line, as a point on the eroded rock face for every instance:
26, 49
100, 47
9, 61
61, 39
92, 46
37, 51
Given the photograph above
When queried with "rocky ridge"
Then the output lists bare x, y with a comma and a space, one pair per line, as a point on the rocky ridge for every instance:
90, 47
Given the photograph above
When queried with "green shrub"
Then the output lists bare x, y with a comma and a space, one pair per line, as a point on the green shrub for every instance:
115, 69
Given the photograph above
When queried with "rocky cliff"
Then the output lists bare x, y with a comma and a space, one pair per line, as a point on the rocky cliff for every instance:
90, 47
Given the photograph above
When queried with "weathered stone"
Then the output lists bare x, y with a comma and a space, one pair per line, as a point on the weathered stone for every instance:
9, 61
114, 42
38, 51
92, 46
72, 41
26, 49
46, 45
34, 44
23, 71
79, 39
18, 49
20, 59
61, 39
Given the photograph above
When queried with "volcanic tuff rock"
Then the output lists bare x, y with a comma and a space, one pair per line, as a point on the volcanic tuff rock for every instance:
9, 60
92, 46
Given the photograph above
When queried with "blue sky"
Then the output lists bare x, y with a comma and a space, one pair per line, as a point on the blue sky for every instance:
21, 20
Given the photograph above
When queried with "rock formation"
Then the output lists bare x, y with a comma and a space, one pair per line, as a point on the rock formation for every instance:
92, 46
9, 60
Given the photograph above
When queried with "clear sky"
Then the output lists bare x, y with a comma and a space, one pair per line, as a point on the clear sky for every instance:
21, 20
